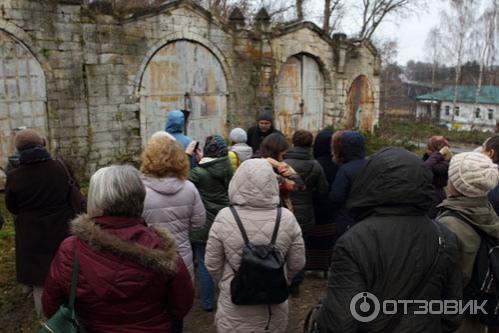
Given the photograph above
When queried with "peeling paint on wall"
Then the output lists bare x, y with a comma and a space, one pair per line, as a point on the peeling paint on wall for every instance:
299, 96
184, 75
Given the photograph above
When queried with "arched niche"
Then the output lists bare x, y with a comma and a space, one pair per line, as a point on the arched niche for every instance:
184, 75
299, 95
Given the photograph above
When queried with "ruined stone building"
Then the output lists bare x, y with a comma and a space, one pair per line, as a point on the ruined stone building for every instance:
99, 85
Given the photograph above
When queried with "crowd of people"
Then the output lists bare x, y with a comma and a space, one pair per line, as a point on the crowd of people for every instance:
392, 224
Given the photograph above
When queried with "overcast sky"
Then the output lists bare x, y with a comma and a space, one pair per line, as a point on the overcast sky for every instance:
409, 32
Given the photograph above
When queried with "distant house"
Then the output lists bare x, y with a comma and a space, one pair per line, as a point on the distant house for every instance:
398, 94
468, 113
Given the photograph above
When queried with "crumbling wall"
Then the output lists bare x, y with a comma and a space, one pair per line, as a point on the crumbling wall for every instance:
94, 65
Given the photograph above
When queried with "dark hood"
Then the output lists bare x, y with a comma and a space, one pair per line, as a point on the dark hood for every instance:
34, 155
393, 182
352, 146
299, 153
175, 122
322, 144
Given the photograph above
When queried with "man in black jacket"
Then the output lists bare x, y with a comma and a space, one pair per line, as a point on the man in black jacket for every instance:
264, 127
390, 252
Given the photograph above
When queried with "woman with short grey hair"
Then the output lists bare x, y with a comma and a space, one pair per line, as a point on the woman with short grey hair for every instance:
116, 191
130, 277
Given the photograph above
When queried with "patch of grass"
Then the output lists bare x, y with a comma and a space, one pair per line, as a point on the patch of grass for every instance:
413, 135
375, 142
409, 130
16, 307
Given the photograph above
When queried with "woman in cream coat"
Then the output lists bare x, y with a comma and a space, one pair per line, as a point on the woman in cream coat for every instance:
254, 192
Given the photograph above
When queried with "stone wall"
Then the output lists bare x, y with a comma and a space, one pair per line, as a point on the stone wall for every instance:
93, 65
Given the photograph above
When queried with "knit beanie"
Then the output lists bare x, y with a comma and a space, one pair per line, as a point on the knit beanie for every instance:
215, 146
473, 174
238, 135
266, 114
28, 138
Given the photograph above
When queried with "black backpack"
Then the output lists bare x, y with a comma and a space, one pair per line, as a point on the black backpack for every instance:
260, 278
484, 282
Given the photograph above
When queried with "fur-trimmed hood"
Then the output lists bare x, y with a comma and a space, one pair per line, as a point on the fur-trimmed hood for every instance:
160, 257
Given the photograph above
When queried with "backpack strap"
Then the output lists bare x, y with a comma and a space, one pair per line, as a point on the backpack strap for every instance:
243, 232
277, 223
239, 224
74, 282
238, 160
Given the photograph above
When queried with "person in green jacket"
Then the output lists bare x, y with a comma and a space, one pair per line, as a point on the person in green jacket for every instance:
211, 177
471, 177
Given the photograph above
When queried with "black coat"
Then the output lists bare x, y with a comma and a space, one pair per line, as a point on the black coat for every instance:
391, 248
37, 192
324, 211
310, 171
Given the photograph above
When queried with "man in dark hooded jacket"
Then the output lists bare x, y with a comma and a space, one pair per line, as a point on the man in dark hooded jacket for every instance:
391, 252
264, 128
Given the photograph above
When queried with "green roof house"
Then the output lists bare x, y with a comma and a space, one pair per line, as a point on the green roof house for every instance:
467, 113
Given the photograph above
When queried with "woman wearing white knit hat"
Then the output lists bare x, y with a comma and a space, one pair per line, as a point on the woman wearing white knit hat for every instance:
467, 209
240, 151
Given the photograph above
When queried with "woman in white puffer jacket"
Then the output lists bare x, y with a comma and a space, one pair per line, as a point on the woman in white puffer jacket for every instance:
172, 202
254, 192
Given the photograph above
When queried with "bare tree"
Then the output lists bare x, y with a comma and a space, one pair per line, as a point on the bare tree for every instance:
457, 30
486, 37
374, 12
433, 45
333, 10
388, 50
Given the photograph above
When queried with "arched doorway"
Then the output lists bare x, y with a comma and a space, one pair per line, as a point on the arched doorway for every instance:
299, 95
184, 75
22, 93
360, 105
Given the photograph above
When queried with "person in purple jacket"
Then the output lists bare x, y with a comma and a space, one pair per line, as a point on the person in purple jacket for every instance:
437, 159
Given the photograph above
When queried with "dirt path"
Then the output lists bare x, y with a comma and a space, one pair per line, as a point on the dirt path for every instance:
20, 316
312, 290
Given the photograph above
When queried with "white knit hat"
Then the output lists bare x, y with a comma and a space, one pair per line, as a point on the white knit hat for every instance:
238, 135
473, 174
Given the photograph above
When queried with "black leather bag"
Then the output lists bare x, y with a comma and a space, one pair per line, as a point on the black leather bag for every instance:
260, 278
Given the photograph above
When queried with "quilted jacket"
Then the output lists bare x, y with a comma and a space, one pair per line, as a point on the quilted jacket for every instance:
175, 205
130, 278
254, 192
211, 177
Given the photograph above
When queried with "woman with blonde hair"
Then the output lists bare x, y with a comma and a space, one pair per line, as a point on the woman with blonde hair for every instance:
172, 202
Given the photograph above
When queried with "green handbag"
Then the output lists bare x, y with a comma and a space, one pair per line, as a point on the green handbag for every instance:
65, 319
